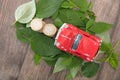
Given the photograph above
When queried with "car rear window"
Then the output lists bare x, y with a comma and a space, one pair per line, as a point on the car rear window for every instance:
76, 41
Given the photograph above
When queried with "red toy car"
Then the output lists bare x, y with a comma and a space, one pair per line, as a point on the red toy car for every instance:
77, 42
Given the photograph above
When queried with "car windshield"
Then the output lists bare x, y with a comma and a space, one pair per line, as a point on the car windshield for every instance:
76, 41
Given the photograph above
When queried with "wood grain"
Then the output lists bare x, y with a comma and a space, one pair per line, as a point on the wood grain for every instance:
12, 52
16, 58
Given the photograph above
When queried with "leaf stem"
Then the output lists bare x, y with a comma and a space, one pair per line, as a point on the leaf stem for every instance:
116, 44
13, 23
72, 3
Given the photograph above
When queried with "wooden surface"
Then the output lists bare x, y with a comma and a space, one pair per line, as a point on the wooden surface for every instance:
16, 58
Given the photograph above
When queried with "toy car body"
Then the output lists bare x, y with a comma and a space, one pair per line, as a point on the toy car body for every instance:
77, 42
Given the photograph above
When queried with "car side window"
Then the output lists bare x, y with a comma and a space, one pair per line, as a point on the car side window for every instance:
76, 41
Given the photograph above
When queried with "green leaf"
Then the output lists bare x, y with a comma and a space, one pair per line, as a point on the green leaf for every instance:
69, 76
44, 46
76, 61
91, 14
37, 58
66, 61
58, 67
111, 56
66, 4
74, 71
51, 60
113, 60
20, 36
82, 4
89, 69
106, 46
63, 62
105, 37
90, 6
100, 27
58, 22
46, 8
19, 25
89, 23
25, 12
71, 16
55, 15
25, 34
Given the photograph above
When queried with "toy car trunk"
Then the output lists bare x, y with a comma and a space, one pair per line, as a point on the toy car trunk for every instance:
77, 42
